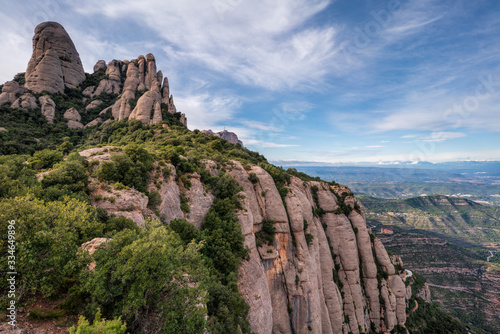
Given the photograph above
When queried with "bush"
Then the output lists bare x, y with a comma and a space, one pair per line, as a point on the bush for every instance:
123, 169
266, 234
114, 225
45, 159
99, 326
69, 179
187, 231
253, 178
149, 268
154, 200
48, 236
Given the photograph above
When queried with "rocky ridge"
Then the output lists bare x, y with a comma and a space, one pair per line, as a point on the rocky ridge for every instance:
55, 66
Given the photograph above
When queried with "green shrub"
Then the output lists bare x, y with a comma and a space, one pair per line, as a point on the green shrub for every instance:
187, 231
154, 200
253, 178
116, 224
48, 237
37, 314
99, 326
149, 268
69, 179
266, 233
123, 169
45, 158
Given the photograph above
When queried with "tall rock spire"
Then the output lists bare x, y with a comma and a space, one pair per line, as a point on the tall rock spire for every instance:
55, 63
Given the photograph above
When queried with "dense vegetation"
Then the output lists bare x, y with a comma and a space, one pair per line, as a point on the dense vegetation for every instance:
429, 317
139, 268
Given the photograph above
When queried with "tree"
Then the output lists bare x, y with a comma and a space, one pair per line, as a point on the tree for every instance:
45, 158
153, 273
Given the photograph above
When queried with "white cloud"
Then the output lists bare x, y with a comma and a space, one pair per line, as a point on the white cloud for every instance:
205, 111
443, 136
16, 47
258, 42
260, 143
259, 125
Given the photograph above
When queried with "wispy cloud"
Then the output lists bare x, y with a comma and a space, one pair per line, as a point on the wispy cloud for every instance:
207, 111
259, 42
259, 125
260, 143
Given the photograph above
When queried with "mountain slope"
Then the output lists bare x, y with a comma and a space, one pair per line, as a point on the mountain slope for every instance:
171, 230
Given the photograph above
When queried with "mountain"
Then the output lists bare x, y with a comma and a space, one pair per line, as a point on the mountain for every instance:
121, 212
454, 243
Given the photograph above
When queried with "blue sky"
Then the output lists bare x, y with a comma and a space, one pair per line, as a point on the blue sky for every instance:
303, 80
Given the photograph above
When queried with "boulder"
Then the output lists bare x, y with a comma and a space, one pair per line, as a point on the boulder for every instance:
73, 118
48, 108
148, 108
89, 91
101, 64
93, 123
93, 104
10, 91
25, 101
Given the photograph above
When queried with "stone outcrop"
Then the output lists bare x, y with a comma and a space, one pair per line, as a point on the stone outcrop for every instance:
100, 65
10, 91
55, 63
93, 104
141, 92
73, 118
48, 108
142, 95
25, 101
229, 136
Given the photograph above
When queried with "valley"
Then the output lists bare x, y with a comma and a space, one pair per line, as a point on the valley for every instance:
454, 243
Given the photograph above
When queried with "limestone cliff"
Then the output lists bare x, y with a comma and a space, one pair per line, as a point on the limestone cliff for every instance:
325, 272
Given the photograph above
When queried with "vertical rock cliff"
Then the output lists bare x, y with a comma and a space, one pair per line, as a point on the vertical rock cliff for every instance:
325, 271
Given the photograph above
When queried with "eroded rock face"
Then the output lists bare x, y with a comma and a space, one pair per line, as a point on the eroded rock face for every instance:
55, 63
25, 101
73, 118
48, 108
229, 136
10, 91
320, 275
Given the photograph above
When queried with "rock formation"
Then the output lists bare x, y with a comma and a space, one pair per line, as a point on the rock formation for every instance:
55, 63
143, 93
73, 118
10, 91
229, 136
328, 285
48, 108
